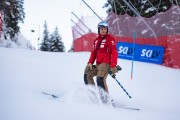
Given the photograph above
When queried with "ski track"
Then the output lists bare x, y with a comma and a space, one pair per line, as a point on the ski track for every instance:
25, 73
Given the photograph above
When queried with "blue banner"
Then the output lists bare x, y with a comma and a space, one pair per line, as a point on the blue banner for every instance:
145, 53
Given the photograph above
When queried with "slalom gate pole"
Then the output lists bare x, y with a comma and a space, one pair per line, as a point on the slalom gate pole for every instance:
134, 39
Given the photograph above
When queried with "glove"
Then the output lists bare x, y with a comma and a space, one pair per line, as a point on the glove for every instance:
90, 66
114, 70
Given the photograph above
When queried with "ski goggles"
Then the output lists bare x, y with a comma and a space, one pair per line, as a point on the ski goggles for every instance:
102, 25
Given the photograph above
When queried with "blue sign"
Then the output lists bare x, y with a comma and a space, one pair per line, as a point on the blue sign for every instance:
145, 53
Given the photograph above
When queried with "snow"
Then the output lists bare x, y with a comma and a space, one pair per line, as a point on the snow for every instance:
25, 73
144, 31
150, 9
115, 20
155, 21
7, 3
19, 42
163, 25
144, 1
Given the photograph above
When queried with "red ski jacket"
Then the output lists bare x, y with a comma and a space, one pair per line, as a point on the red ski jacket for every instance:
104, 51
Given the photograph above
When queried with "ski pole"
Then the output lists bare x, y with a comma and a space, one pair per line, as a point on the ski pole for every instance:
113, 76
123, 88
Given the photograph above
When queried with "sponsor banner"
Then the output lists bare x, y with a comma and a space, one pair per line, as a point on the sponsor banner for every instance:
145, 53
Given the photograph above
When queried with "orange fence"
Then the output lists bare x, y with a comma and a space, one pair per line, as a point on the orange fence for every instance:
170, 43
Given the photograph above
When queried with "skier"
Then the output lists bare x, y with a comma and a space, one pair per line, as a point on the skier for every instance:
105, 53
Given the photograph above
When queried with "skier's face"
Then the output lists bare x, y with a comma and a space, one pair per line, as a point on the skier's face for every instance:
103, 31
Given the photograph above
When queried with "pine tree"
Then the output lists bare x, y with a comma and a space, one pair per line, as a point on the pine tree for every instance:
144, 8
13, 13
56, 44
44, 46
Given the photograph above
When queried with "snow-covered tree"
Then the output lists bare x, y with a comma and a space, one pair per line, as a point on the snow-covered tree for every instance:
13, 13
145, 8
44, 46
56, 44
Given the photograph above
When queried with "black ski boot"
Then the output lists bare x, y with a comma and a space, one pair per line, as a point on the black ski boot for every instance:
103, 95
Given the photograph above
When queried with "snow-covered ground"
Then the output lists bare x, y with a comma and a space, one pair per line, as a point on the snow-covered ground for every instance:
19, 42
25, 73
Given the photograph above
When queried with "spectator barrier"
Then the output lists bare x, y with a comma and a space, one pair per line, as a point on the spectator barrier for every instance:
168, 45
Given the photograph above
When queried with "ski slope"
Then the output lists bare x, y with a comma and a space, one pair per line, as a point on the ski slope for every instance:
25, 73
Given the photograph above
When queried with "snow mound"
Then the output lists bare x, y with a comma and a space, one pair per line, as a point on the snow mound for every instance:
19, 42
81, 95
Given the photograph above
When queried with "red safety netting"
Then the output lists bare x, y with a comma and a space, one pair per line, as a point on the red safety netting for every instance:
170, 43
0, 23
172, 50
85, 42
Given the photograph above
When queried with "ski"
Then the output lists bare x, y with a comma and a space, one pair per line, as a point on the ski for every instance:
121, 107
114, 105
128, 108
52, 95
